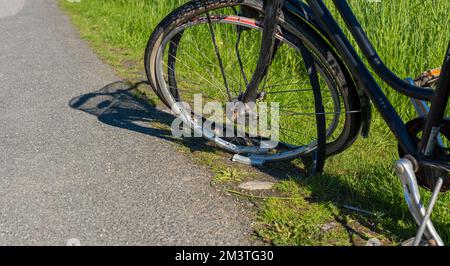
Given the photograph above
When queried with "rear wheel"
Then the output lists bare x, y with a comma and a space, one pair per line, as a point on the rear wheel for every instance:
209, 48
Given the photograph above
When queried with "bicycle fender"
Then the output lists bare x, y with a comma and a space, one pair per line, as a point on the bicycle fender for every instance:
304, 12
366, 109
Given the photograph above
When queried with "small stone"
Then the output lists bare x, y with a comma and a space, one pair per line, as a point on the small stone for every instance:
74, 242
328, 226
373, 242
256, 185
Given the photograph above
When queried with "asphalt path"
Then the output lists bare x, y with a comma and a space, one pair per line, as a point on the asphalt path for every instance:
79, 157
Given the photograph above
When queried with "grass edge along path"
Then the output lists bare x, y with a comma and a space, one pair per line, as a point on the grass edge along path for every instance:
302, 211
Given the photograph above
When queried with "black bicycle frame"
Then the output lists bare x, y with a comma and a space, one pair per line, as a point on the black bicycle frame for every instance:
438, 98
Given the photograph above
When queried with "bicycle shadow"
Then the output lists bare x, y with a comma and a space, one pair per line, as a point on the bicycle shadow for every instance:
117, 105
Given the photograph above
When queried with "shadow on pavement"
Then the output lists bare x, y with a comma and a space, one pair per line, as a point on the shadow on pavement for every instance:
116, 105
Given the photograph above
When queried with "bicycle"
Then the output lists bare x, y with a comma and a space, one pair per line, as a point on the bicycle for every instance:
306, 39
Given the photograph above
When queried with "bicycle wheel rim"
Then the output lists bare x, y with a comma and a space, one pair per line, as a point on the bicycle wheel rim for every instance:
295, 150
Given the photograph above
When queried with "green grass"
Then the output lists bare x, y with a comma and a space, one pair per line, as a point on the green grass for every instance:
410, 36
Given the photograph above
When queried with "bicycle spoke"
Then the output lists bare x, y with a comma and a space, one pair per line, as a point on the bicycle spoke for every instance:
219, 58
241, 66
200, 64
201, 77
288, 91
323, 113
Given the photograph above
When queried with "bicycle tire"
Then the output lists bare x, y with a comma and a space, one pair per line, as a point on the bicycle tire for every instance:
306, 34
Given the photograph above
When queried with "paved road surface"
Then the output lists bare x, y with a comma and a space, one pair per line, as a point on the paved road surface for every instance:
78, 157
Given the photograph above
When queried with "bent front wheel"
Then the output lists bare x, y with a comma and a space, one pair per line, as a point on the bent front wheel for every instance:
209, 49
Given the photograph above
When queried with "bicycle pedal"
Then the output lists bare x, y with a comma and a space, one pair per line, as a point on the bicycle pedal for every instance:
428, 78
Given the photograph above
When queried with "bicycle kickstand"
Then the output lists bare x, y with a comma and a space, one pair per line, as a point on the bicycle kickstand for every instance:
405, 170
